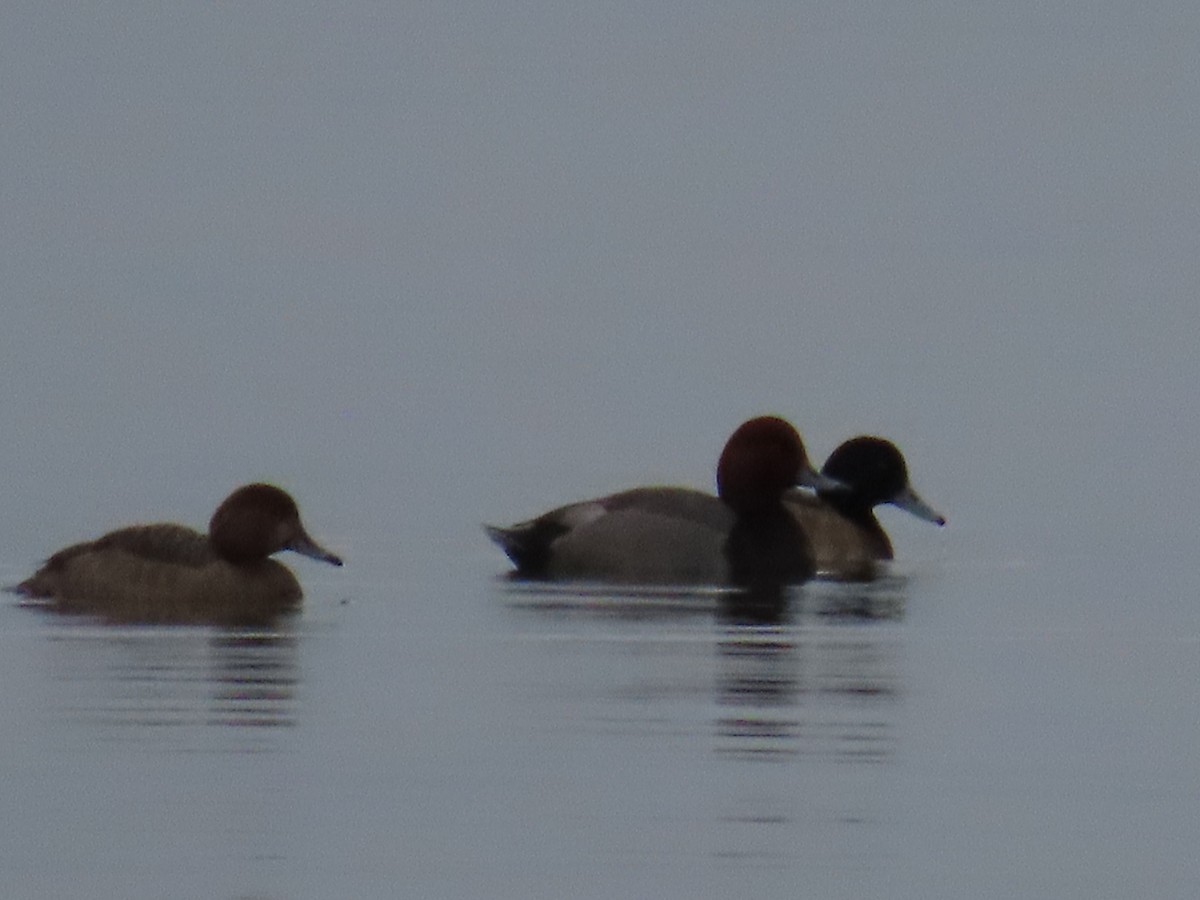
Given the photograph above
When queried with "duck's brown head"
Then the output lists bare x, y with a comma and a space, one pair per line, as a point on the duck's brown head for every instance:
257, 520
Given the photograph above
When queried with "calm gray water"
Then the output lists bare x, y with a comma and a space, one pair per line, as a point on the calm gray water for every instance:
958, 729
430, 265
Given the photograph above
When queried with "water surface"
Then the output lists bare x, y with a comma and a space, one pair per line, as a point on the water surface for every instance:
910, 737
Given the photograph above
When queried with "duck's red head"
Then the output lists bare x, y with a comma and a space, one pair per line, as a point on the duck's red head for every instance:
761, 460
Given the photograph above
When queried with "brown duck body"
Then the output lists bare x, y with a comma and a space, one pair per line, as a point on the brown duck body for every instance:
843, 546
171, 573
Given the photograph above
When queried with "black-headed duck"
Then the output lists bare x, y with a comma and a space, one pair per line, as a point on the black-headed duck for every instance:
846, 538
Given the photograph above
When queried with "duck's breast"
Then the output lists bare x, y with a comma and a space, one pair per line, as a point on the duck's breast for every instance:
841, 546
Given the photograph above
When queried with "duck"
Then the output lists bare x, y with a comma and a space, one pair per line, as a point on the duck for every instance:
680, 536
846, 538
163, 572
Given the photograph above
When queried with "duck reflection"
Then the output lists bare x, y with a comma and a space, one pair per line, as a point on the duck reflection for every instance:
796, 671
254, 681
793, 697
815, 691
174, 684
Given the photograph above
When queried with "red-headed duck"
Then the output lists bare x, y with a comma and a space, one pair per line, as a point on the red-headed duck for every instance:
846, 537
674, 535
172, 573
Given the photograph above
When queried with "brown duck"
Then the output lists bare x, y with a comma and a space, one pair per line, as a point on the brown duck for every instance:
172, 573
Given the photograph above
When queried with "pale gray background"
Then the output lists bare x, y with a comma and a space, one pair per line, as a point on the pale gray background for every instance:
438, 255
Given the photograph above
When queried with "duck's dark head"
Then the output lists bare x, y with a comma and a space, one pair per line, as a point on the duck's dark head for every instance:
874, 472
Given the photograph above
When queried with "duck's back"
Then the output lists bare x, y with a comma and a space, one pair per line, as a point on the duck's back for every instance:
166, 543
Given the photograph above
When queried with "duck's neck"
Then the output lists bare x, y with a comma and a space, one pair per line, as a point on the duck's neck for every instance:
853, 507
767, 546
